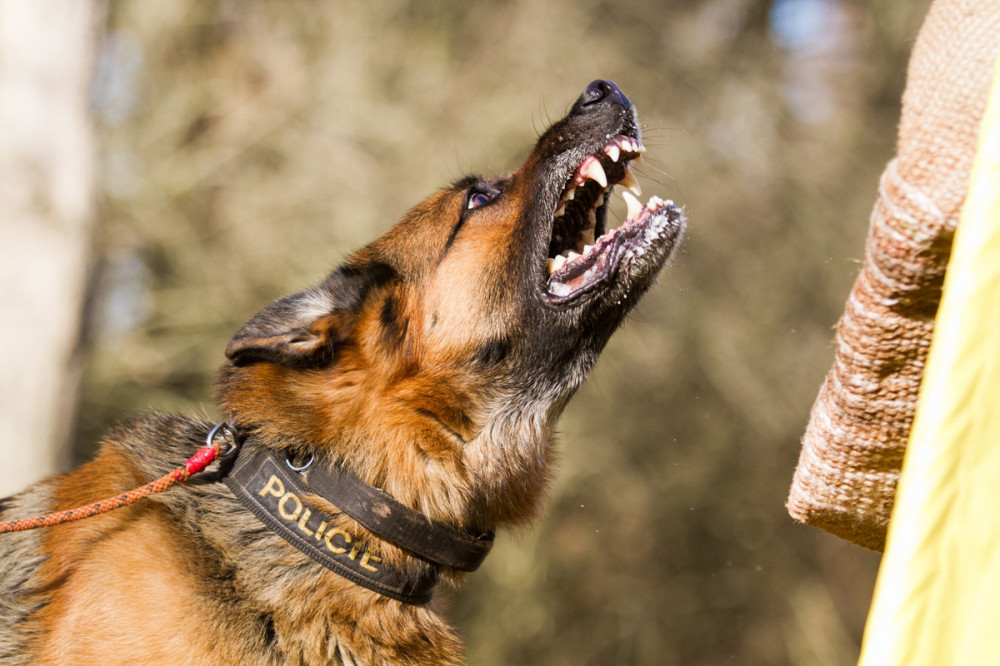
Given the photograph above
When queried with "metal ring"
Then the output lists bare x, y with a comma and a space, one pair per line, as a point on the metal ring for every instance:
230, 435
300, 468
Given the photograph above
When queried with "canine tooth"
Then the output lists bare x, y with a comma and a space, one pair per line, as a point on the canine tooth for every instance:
631, 183
570, 194
634, 207
595, 171
549, 266
613, 152
638, 158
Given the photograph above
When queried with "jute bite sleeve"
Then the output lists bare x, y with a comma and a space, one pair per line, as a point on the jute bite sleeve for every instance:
853, 447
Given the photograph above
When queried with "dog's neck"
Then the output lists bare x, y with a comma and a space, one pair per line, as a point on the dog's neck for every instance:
477, 471
418, 440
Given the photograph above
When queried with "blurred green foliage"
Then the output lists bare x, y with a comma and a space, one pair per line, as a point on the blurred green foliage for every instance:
247, 147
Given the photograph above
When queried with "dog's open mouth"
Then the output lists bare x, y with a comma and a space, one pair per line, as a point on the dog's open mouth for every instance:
582, 251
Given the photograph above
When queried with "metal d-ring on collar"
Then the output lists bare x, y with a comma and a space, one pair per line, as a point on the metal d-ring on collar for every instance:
299, 468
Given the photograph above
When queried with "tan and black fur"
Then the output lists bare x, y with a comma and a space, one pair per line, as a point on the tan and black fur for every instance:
433, 364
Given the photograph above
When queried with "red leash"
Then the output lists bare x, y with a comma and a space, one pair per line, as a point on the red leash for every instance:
196, 463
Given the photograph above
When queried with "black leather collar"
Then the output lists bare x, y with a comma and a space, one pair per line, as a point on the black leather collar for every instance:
275, 492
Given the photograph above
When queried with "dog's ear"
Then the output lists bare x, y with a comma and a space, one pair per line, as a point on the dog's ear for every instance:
304, 329
294, 331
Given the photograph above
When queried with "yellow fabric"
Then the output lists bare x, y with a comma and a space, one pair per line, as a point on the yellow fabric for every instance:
937, 600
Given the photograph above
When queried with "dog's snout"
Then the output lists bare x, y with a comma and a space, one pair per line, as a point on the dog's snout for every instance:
601, 92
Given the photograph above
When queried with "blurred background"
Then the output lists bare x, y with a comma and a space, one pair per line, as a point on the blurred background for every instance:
232, 152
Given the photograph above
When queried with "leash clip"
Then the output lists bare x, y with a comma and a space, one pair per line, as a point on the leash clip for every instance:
228, 433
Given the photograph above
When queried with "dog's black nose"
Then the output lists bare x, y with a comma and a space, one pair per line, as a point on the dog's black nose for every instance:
601, 91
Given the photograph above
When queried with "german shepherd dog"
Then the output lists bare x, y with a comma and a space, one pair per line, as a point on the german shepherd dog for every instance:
384, 424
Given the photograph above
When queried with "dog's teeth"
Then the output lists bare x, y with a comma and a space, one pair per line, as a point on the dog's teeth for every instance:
640, 148
631, 183
569, 194
634, 207
587, 248
556, 263
594, 171
638, 158
613, 152
572, 255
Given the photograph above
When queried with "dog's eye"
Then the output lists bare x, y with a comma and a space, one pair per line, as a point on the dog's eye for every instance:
477, 199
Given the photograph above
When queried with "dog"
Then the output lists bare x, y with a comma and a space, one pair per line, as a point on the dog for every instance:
381, 426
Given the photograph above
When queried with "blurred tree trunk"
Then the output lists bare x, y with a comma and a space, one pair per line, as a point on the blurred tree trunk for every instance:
47, 168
